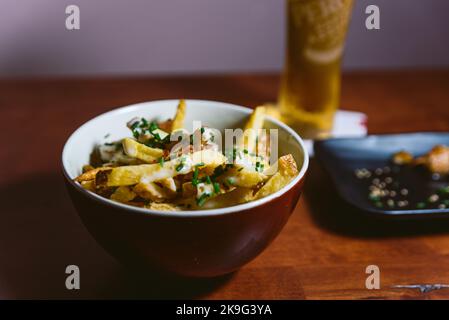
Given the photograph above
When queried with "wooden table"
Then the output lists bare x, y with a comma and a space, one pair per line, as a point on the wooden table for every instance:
321, 254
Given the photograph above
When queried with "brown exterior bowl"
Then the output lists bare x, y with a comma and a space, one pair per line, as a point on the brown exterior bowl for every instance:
190, 243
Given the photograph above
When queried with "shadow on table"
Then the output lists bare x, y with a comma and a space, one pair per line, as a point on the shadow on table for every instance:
40, 234
131, 283
330, 211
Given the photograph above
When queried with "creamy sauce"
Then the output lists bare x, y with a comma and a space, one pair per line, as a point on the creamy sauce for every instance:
204, 189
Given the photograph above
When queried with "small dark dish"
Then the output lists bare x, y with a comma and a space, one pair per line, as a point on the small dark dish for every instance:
342, 157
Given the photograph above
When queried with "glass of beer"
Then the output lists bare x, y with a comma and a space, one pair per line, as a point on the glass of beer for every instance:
310, 87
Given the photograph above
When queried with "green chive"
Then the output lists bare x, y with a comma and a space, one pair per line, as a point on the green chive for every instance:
202, 130
161, 161
240, 169
230, 181
245, 151
208, 180
217, 172
180, 165
201, 200
153, 126
135, 125
216, 187
195, 177
201, 164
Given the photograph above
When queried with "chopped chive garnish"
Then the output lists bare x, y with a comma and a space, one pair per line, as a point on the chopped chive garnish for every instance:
217, 172
180, 165
153, 126
259, 166
202, 199
240, 169
157, 136
195, 177
201, 164
161, 161
135, 125
245, 151
230, 181
216, 187
202, 130
208, 180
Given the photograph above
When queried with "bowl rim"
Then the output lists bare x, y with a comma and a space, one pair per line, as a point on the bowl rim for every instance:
186, 213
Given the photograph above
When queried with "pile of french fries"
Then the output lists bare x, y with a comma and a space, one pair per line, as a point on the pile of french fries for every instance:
144, 171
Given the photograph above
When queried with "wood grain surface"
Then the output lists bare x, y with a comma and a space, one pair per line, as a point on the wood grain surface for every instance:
322, 253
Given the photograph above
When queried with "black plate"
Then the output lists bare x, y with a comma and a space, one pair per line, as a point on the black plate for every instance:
341, 157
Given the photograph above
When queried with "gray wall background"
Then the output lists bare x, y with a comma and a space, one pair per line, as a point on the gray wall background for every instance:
199, 36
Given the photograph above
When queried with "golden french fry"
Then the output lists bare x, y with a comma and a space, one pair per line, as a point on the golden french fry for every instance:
91, 174
251, 130
88, 185
232, 198
140, 151
178, 121
169, 184
243, 178
129, 175
87, 168
287, 170
152, 191
162, 206
188, 190
123, 194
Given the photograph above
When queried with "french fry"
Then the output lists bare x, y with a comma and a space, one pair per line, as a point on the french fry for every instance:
152, 191
140, 151
251, 130
88, 185
244, 178
91, 174
162, 206
188, 190
287, 170
129, 175
169, 184
178, 121
236, 196
87, 168
123, 195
